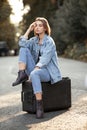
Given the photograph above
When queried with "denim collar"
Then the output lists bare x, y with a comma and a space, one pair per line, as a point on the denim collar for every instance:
43, 40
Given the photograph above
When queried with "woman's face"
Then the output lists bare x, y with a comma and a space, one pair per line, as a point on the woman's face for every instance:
39, 28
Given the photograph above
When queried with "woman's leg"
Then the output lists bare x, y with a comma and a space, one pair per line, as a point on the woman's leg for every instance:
38, 76
26, 65
26, 60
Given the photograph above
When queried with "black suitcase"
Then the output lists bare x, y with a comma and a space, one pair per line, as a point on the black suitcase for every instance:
55, 96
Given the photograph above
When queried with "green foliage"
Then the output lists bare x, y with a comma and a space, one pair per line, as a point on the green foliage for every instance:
70, 25
5, 10
7, 30
83, 5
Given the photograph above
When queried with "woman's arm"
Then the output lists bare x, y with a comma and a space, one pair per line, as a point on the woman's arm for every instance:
23, 41
31, 28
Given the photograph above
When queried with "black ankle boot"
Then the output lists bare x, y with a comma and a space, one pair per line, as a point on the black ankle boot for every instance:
22, 77
39, 109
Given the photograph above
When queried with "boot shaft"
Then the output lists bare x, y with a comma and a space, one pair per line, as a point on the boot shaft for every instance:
39, 109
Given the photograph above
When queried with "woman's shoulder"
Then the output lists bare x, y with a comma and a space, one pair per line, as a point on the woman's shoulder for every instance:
50, 39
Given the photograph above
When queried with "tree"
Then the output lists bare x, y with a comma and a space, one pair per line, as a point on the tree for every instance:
7, 30
69, 27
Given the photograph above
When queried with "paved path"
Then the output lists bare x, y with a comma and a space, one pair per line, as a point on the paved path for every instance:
13, 118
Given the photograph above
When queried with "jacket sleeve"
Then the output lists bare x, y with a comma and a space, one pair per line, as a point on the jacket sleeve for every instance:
23, 42
48, 52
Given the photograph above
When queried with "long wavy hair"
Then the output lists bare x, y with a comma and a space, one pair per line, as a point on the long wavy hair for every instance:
45, 24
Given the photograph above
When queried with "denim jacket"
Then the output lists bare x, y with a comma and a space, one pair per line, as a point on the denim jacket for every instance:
48, 54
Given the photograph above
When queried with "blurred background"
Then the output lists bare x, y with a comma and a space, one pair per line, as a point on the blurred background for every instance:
67, 18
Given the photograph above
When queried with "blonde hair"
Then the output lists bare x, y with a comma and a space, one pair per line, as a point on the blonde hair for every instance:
45, 24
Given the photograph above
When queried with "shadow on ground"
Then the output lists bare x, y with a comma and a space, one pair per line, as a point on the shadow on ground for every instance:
17, 119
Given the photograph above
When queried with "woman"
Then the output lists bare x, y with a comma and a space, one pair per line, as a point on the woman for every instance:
38, 60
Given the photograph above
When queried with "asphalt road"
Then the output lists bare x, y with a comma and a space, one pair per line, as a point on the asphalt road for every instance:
13, 118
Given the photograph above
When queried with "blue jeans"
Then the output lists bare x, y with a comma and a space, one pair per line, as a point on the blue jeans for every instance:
36, 76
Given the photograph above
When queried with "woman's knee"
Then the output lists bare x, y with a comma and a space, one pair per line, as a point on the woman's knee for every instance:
33, 74
24, 51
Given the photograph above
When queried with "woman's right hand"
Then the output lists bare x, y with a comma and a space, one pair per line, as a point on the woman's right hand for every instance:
32, 26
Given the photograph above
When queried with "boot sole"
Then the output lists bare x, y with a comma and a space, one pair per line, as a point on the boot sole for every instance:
20, 82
